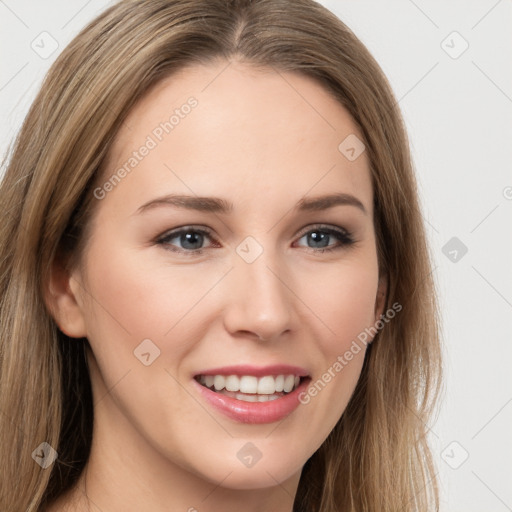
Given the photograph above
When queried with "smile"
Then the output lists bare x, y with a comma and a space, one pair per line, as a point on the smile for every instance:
250, 388
250, 394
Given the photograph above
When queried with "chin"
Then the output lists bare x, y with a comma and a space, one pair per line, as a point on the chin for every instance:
258, 478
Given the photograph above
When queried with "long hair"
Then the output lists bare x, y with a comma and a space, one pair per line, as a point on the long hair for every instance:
377, 457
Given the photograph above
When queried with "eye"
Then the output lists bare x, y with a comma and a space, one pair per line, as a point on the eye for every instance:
187, 239
326, 238
192, 240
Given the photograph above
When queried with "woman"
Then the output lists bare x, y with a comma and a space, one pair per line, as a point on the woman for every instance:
216, 291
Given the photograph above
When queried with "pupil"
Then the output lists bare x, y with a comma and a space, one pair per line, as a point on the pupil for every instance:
319, 239
191, 240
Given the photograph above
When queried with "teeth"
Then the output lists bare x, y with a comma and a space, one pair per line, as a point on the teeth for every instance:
262, 387
250, 398
266, 386
219, 382
248, 384
288, 383
246, 398
232, 383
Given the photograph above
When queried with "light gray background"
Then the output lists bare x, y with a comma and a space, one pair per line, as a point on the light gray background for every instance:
458, 114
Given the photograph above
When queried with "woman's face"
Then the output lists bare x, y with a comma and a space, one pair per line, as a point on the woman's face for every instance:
237, 249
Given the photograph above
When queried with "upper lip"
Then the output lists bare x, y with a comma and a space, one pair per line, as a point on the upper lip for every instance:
256, 371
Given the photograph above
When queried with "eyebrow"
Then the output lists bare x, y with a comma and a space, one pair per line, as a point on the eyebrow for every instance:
218, 205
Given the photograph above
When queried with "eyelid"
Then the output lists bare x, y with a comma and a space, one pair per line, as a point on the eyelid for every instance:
186, 227
345, 237
173, 233
323, 227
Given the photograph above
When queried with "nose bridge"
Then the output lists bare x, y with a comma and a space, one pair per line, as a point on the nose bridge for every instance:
260, 302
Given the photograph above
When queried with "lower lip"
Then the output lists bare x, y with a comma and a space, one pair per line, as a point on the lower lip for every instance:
253, 412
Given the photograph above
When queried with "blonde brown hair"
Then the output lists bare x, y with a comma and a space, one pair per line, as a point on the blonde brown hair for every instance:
377, 456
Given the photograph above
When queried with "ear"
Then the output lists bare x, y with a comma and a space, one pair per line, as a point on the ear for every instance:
61, 298
380, 300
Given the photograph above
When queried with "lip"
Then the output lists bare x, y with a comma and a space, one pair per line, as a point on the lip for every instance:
256, 371
252, 412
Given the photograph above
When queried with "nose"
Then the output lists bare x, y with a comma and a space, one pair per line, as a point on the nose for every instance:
258, 300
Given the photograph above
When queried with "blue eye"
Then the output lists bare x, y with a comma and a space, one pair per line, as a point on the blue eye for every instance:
326, 239
185, 240
192, 241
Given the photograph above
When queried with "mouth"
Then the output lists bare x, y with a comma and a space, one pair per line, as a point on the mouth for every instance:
250, 388
253, 394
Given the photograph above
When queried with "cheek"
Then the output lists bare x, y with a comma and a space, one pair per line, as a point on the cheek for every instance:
142, 296
342, 297
131, 299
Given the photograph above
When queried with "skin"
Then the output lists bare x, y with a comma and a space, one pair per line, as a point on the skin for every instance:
254, 141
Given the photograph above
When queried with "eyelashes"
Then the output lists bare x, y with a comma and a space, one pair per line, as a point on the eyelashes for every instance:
190, 236
322, 235
189, 240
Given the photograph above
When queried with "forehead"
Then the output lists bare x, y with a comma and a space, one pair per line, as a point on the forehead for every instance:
228, 128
